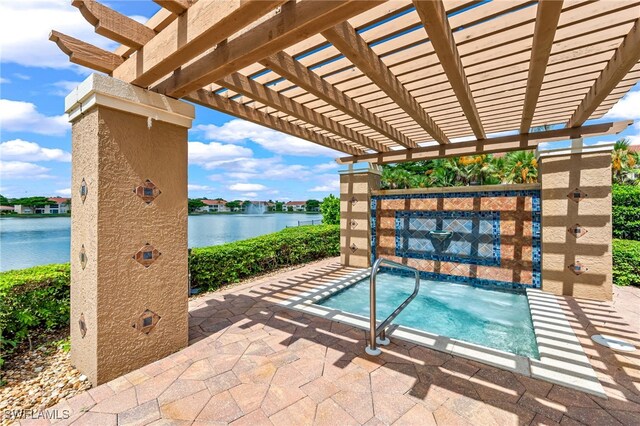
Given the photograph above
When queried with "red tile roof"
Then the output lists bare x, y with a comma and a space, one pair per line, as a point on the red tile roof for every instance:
59, 200
295, 203
215, 202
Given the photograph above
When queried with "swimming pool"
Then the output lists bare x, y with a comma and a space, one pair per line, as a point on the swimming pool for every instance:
495, 319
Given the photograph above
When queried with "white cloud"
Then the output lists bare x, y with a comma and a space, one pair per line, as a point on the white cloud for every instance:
250, 194
64, 87
332, 165
213, 154
66, 192
196, 187
19, 116
242, 187
21, 76
4, 80
627, 108
22, 170
327, 183
25, 27
21, 150
235, 131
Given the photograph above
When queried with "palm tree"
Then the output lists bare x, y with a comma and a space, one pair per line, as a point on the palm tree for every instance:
624, 163
521, 167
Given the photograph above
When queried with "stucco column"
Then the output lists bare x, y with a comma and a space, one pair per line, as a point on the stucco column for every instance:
128, 226
576, 221
356, 184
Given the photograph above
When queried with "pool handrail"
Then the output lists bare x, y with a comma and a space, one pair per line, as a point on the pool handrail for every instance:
379, 330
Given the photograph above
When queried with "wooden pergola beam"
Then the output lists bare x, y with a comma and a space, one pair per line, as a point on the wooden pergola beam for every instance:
434, 18
227, 106
624, 59
286, 66
198, 29
114, 25
345, 38
86, 54
177, 7
547, 17
259, 92
295, 22
518, 142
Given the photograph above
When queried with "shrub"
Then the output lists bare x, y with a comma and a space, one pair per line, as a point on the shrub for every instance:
30, 299
626, 212
212, 267
626, 195
330, 209
626, 262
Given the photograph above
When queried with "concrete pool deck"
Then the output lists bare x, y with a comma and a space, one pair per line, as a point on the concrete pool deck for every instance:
253, 361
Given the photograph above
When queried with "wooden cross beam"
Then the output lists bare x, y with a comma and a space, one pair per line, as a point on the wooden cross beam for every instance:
241, 84
177, 7
624, 59
227, 106
86, 54
521, 142
287, 67
434, 18
345, 38
548, 15
295, 22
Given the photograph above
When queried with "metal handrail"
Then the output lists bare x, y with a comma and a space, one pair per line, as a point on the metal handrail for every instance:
374, 330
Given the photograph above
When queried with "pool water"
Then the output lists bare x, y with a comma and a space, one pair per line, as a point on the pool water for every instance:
495, 319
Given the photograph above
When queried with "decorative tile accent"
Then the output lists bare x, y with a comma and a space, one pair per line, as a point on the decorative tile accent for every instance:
353, 247
471, 237
146, 255
83, 326
147, 191
146, 321
578, 268
577, 195
354, 224
354, 200
83, 257
84, 190
577, 230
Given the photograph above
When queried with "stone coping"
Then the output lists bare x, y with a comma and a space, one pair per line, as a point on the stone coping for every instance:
443, 190
562, 358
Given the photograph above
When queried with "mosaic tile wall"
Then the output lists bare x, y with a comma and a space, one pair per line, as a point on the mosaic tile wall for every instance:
484, 238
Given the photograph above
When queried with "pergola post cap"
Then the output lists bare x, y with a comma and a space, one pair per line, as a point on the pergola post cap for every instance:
361, 168
589, 149
102, 90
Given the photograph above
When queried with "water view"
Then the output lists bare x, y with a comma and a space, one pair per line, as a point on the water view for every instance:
26, 242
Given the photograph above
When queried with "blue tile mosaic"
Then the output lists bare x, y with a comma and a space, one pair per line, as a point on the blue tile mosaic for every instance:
471, 237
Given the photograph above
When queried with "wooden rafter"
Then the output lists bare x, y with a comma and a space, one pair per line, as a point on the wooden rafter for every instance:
177, 7
345, 38
434, 18
86, 54
263, 94
286, 66
200, 28
548, 15
624, 59
295, 22
527, 141
114, 25
227, 106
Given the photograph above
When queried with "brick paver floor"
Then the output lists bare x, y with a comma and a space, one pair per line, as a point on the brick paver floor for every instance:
253, 362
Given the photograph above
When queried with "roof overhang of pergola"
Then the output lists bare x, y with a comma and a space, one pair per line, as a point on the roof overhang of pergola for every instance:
383, 81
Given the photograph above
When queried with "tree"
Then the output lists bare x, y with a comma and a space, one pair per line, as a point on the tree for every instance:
4, 201
32, 202
279, 205
234, 205
330, 209
194, 204
521, 167
312, 205
624, 163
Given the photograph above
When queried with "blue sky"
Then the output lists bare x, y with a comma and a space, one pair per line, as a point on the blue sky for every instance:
228, 157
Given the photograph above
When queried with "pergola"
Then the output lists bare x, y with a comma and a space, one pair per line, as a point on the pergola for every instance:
381, 81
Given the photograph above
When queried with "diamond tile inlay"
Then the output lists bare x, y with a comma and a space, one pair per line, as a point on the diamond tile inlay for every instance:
353, 247
354, 223
84, 190
146, 321
577, 195
83, 257
354, 200
578, 268
147, 255
147, 191
83, 326
577, 230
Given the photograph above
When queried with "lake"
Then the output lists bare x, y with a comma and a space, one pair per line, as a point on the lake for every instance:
38, 241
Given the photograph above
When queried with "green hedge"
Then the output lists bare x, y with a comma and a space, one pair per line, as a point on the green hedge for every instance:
626, 262
626, 195
626, 212
212, 267
32, 298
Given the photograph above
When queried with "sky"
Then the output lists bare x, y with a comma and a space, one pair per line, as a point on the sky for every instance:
228, 157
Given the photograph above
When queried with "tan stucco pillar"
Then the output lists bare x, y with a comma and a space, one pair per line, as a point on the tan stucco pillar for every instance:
128, 226
356, 184
576, 221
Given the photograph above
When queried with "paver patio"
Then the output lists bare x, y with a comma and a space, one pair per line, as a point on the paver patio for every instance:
254, 362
